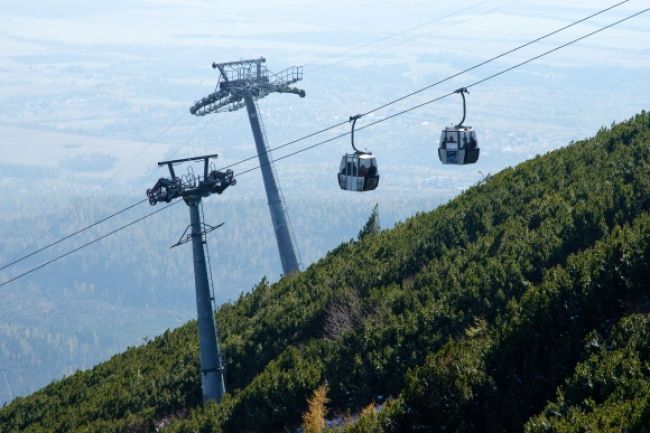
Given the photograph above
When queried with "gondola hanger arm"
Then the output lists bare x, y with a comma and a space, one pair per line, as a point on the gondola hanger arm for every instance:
462, 92
354, 119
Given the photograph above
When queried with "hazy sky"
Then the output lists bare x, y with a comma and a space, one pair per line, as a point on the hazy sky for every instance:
95, 67
94, 93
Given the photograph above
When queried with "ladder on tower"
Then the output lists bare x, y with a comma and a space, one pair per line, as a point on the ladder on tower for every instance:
277, 179
206, 248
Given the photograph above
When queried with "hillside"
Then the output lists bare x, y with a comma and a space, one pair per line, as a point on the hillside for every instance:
62, 319
521, 305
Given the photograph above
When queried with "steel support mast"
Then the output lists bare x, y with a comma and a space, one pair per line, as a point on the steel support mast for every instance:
212, 380
240, 84
276, 205
192, 189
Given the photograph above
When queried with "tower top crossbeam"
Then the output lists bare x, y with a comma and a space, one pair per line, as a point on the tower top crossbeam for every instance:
190, 186
238, 78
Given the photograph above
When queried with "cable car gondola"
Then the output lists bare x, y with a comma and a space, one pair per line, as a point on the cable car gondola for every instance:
358, 170
458, 144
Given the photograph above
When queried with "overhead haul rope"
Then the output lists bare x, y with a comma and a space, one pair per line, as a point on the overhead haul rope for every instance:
389, 36
437, 83
415, 107
18, 258
476, 83
68, 236
74, 250
418, 36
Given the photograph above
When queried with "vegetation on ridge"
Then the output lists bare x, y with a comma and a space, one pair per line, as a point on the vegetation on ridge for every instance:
521, 305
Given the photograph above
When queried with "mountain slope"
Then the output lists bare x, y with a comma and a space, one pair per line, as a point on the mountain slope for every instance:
487, 314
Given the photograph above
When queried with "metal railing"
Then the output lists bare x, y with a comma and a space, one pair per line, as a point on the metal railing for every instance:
288, 76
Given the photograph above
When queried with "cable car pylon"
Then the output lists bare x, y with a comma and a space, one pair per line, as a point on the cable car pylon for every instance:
192, 189
241, 84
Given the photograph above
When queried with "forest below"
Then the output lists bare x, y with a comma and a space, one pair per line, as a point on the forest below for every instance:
63, 318
522, 305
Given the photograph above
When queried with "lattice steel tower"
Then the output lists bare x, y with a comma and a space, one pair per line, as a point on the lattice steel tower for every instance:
241, 84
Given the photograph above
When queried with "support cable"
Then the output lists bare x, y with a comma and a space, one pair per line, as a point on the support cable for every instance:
421, 35
505, 53
386, 37
476, 83
18, 258
297, 140
75, 233
140, 153
94, 241
415, 107
415, 92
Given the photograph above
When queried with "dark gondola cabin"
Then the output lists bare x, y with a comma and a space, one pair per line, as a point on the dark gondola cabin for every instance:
458, 145
358, 172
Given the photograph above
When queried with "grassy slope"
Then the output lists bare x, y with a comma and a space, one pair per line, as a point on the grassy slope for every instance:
478, 316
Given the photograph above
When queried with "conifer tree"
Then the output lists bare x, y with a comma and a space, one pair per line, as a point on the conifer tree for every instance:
313, 421
372, 226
